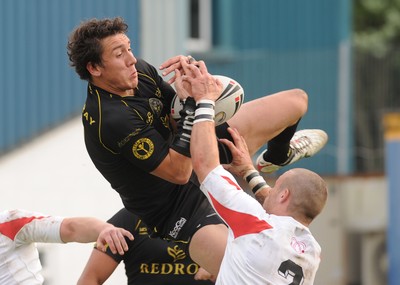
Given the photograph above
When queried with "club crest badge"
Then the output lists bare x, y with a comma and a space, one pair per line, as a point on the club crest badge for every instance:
143, 148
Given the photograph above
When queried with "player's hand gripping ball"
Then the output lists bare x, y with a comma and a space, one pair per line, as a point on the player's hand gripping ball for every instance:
226, 105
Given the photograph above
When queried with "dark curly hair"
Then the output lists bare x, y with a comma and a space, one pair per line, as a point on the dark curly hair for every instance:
84, 42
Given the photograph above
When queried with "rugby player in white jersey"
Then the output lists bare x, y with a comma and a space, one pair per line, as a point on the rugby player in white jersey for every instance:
21, 229
268, 243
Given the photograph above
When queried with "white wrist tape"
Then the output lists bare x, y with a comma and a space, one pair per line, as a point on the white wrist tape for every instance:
255, 180
204, 111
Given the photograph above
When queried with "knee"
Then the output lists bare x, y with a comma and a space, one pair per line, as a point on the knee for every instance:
301, 98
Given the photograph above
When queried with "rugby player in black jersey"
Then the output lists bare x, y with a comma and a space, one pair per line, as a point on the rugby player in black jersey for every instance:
148, 261
145, 156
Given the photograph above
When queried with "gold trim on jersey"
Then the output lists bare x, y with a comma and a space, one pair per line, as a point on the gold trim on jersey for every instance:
158, 91
100, 122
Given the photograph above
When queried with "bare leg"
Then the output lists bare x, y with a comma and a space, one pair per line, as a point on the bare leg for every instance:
207, 247
259, 120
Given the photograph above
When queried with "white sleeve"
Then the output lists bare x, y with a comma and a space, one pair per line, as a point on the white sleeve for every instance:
238, 209
40, 229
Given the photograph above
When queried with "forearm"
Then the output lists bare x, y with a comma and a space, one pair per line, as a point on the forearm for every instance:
204, 148
175, 168
204, 152
82, 229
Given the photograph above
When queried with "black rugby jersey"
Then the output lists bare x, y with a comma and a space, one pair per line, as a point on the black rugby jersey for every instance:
127, 138
152, 261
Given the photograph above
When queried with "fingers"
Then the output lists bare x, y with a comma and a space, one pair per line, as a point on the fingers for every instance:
196, 69
191, 59
241, 160
201, 66
127, 234
228, 143
178, 78
172, 79
199, 74
235, 150
182, 89
198, 83
175, 63
170, 64
238, 139
185, 64
115, 240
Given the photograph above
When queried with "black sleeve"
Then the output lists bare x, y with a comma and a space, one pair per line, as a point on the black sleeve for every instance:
166, 89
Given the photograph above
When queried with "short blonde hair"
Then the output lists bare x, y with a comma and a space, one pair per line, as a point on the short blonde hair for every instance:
308, 191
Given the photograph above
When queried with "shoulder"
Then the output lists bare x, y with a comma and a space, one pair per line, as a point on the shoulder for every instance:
144, 67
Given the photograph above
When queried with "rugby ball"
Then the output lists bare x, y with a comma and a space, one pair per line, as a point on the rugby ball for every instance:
226, 105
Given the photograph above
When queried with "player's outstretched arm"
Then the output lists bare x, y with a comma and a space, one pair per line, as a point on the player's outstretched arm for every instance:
87, 229
242, 165
241, 160
205, 89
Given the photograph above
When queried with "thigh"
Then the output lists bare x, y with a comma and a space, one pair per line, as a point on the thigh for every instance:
261, 119
207, 247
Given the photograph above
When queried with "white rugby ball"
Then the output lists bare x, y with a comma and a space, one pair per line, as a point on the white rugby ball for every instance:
226, 105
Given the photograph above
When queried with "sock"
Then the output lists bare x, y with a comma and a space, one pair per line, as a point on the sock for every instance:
279, 147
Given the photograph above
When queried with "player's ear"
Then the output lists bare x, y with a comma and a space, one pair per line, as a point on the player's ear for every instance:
284, 195
93, 69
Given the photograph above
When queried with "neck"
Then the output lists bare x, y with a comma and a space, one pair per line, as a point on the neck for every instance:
125, 93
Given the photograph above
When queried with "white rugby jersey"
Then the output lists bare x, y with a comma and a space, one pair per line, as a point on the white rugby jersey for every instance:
19, 257
262, 248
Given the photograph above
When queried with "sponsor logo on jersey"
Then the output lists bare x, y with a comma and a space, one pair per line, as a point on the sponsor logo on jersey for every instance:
176, 253
165, 121
171, 268
88, 118
143, 148
128, 138
156, 106
297, 245
174, 269
150, 118
158, 92
178, 226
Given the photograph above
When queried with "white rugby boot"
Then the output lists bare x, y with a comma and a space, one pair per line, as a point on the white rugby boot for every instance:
304, 143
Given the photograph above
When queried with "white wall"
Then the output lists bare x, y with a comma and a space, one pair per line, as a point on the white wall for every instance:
54, 175
164, 28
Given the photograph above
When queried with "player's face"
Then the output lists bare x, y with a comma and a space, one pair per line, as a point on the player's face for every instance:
117, 73
268, 204
271, 200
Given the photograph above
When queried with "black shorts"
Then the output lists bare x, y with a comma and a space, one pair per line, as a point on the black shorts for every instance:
225, 155
190, 213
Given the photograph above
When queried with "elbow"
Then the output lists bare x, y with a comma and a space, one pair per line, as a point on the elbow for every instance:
183, 177
181, 181
67, 231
